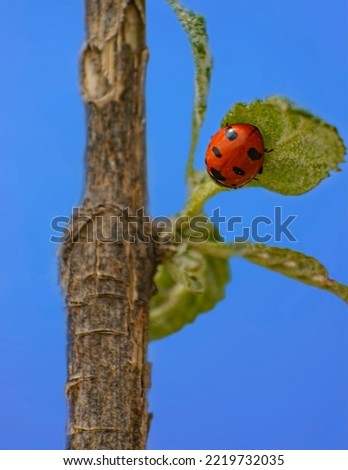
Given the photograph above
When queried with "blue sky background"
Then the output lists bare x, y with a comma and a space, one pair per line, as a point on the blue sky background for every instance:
268, 369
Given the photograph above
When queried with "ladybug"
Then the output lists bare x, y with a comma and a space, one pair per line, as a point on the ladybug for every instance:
235, 155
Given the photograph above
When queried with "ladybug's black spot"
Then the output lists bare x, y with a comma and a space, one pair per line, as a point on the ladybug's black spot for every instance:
238, 171
254, 154
217, 175
231, 134
261, 170
216, 152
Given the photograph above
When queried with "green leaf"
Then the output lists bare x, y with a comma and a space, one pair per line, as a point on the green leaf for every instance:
175, 304
195, 27
304, 148
283, 260
188, 282
189, 268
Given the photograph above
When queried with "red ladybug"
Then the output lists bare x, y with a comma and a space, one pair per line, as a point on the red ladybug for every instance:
235, 155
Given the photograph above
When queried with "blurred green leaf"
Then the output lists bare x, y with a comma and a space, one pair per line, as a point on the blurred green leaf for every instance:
175, 304
289, 262
195, 27
188, 267
188, 281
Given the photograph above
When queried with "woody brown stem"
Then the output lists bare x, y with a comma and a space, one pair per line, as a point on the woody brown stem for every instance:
108, 279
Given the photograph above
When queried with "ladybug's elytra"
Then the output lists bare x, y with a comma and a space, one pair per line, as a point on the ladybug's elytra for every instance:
235, 155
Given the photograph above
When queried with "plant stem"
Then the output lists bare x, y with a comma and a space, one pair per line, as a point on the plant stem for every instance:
197, 199
108, 284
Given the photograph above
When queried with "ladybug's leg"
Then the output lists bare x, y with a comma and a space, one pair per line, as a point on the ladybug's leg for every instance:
268, 150
259, 172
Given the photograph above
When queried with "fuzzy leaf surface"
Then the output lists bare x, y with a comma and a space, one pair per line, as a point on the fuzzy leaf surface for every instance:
304, 148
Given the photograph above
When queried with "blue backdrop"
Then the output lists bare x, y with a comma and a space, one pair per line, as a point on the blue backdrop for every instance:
268, 368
